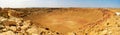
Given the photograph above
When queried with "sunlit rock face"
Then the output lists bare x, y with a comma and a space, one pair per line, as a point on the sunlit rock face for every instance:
118, 13
69, 20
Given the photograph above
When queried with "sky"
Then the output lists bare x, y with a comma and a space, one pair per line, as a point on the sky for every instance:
60, 3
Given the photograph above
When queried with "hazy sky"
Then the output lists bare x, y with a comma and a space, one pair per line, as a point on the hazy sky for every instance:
60, 3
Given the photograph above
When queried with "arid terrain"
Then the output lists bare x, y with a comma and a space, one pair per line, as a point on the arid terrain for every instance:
59, 21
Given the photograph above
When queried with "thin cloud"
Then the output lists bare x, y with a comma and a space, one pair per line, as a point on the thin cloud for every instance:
12, 3
28, 3
59, 3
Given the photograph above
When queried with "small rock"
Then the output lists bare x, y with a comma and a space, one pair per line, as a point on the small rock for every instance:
35, 34
118, 13
7, 33
32, 30
3, 19
71, 33
26, 24
1, 27
4, 30
20, 34
13, 28
9, 23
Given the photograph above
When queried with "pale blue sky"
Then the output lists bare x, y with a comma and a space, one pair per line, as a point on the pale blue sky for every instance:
60, 3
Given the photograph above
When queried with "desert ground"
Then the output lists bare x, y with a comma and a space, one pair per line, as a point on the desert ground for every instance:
59, 21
